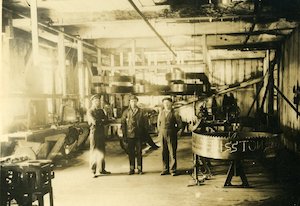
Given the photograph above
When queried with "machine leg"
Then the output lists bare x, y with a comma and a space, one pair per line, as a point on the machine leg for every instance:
196, 170
41, 200
51, 197
236, 169
206, 167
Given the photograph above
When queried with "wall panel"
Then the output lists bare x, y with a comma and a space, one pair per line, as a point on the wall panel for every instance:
226, 72
289, 77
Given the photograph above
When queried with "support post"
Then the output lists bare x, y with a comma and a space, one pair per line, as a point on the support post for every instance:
99, 64
1, 41
236, 169
112, 63
34, 32
271, 95
62, 62
121, 59
266, 66
81, 72
206, 57
132, 69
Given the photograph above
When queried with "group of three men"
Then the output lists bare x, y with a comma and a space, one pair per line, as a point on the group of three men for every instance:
134, 126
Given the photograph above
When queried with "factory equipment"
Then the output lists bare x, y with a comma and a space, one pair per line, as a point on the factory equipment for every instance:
218, 135
49, 143
26, 181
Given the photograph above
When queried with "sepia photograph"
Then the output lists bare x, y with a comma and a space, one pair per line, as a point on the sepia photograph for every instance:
150, 103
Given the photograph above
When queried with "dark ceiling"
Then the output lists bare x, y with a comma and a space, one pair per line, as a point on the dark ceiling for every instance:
112, 24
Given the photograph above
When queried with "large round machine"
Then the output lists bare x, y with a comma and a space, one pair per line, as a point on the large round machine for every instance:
233, 146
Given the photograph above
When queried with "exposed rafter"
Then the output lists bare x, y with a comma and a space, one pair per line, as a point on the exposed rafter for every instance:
151, 27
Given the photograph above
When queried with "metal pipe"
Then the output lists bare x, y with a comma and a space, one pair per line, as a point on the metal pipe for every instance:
151, 27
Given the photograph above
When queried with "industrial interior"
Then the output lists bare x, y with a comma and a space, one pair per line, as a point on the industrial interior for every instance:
230, 69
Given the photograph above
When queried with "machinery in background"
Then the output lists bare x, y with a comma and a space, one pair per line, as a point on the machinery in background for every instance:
48, 142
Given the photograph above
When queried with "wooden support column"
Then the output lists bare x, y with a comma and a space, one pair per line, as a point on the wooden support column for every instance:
99, 62
81, 72
1, 41
87, 82
178, 57
149, 59
7, 38
271, 91
155, 63
34, 32
112, 64
2, 74
143, 57
271, 95
129, 59
206, 57
265, 83
132, 70
62, 62
2, 70
121, 59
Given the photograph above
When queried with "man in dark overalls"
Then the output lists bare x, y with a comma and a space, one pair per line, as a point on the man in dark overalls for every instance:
169, 123
96, 120
133, 123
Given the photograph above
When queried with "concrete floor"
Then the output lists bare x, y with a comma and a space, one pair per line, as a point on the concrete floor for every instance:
73, 183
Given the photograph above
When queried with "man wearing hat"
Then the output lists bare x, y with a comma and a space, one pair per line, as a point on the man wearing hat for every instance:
133, 123
168, 124
96, 120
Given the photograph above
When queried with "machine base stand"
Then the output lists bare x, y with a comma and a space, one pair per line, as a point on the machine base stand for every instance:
236, 169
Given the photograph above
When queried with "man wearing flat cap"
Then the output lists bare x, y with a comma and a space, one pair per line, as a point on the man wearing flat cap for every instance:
96, 120
169, 123
134, 123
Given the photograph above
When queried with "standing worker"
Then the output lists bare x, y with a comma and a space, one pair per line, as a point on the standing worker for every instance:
133, 123
97, 120
169, 124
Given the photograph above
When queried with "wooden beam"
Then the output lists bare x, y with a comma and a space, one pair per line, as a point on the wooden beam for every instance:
132, 70
99, 61
206, 56
200, 67
221, 54
184, 42
241, 85
33, 96
112, 63
276, 31
81, 72
62, 62
34, 32
51, 36
137, 28
249, 46
1, 47
121, 59
266, 67
47, 28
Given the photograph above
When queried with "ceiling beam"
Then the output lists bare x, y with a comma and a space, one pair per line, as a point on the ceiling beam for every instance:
138, 29
52, 36
183, 42
249, 46
276, 32
151, 27
233, 54
27, 27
